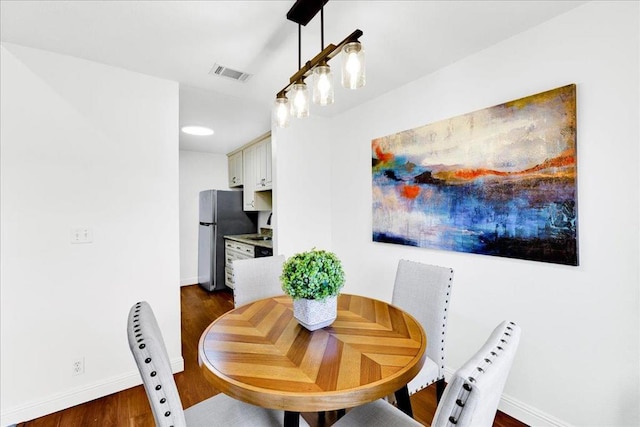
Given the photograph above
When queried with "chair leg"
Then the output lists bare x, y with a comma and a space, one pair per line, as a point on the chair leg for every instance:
322, 419
440, 385
404, 402
291, 419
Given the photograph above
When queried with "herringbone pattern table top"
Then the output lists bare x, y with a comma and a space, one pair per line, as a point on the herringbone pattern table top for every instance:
259, 353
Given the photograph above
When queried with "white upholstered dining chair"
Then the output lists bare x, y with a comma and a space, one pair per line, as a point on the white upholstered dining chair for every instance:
424, 291
470, 399
256, 278
150, 354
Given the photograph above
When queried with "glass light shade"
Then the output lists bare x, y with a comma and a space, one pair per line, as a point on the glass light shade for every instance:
353, 66
322, 85
299, 95
281, 112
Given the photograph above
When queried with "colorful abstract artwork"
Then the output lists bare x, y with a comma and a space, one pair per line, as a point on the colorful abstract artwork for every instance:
499, 181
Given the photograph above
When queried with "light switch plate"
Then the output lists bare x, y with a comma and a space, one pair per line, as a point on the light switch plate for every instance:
81, 235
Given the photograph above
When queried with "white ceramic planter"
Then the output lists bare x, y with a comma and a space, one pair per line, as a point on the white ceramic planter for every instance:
314, 314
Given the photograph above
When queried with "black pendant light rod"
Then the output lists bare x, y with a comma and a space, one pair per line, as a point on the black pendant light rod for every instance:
326, 54
299, 46
321, 28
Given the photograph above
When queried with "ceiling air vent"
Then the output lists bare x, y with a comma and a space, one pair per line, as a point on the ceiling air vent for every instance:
229, 73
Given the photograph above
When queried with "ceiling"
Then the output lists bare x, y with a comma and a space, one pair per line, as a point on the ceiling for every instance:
182, 40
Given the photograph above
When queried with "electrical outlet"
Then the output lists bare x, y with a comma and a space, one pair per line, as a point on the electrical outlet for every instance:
78, 366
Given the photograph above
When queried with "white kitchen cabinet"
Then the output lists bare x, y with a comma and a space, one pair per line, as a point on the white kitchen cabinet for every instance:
250, 168
249, 176
263, 165
234, 250
235, 169
254, 200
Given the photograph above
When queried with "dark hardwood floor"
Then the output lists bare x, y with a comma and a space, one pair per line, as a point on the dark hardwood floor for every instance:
131, 408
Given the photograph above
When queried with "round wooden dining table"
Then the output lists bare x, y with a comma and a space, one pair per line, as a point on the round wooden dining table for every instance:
260, 354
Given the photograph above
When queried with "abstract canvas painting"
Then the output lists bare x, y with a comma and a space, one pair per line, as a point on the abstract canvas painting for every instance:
499, 181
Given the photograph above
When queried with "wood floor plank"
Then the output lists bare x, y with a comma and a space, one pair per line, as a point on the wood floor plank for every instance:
130, 408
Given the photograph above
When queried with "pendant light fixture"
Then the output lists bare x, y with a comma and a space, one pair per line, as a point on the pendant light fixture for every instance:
281, 116
299, 91
353, 75
296, 93
322, 85
299, 100
322, 75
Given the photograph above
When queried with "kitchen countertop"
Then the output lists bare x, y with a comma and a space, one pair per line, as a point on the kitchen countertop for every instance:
252, 239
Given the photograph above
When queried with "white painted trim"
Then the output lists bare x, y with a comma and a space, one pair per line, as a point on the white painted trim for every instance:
189, 281
528, 414
60, 401
520, 410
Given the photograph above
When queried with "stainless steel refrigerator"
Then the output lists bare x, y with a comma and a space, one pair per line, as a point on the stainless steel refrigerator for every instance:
221, 215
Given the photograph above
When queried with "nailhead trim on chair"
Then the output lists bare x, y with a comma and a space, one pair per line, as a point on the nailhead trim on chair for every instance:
467, 388
444, 319
147, 359
445, 325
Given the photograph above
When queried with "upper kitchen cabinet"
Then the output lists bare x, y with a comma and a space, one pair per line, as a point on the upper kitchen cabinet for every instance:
235, 169
256, 173
263, 165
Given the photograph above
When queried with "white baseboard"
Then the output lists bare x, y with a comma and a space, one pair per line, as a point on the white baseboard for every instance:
513, 407
528, 414
520, 410
60, 401
189, 281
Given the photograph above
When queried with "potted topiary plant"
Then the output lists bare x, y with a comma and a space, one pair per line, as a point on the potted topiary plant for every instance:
313, 280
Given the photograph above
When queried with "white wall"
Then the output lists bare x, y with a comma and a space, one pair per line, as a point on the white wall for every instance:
302, 182
578, 359
83, 144
198, 171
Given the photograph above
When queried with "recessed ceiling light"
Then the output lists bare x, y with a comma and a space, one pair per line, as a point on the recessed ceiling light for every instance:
197, 130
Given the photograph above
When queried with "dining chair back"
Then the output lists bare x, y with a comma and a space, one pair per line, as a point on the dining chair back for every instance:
150, 354
256, 278
473, 393
424, 291
149, 351
471, 398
